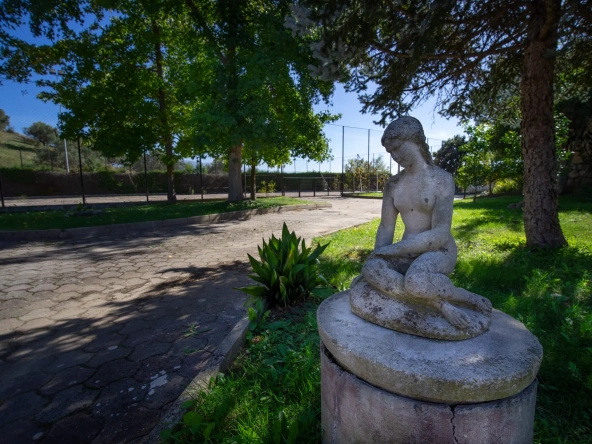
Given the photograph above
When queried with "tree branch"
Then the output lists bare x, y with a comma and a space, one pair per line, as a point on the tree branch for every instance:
201, 22
470, 55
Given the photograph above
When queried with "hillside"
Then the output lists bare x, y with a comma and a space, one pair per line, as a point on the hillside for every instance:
12, 145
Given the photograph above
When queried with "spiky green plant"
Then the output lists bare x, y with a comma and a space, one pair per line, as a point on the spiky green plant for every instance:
287, 271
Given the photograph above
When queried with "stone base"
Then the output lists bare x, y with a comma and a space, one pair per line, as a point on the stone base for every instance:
497, 364
399, 315
354, 411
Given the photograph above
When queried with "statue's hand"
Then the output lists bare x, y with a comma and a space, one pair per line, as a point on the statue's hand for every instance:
387, 250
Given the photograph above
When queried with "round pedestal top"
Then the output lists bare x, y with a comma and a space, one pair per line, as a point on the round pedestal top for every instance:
494, 365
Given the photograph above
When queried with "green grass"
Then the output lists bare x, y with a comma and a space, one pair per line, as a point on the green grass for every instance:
550, 291
43, 220
12, 145
371, 194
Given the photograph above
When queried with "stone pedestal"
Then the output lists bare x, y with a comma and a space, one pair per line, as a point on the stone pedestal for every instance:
382, 386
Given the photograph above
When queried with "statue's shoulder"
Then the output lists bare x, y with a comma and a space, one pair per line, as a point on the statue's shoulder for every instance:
391, 183
444, 179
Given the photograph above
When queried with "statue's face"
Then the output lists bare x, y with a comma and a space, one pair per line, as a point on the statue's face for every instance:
403, 152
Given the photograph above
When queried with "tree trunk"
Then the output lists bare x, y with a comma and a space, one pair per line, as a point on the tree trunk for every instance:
169, 160
253, 184
235, 187
541, 221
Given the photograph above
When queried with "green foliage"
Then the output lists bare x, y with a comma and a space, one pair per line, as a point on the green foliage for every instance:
450, 156
288, 272
4, 120
359, 172
257, 316
270, 396
41, 132
503, 186
267, 187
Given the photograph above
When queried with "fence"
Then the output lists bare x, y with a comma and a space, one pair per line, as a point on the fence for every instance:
358, 163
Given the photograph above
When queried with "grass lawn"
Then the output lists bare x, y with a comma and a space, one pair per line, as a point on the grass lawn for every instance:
273, 392
43, 220
12, 146
377, 194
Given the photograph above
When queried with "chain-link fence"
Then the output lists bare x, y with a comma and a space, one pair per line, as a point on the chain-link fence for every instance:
34, 162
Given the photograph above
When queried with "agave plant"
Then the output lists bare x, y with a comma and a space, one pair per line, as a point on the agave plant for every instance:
287, 272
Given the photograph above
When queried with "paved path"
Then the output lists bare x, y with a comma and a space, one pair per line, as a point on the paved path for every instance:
98, 337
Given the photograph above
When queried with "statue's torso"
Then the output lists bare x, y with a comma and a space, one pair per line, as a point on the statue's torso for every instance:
414, 198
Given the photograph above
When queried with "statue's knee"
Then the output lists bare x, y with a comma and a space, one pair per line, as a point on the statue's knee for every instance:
417, 284
370, 268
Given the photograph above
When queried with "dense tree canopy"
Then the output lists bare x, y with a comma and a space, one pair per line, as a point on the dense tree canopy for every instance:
189, 77
471, 55
449, 156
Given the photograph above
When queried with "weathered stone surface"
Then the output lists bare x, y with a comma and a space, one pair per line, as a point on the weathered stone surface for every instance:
66, 402
354, 411
407, 317
404, 285
497, 364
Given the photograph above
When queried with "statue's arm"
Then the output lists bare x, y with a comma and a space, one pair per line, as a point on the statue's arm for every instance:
437, 236
388, 219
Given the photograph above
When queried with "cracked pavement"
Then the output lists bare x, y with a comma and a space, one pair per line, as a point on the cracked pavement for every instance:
99, 336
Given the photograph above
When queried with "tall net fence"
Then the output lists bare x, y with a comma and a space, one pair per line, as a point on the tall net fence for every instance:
35, 162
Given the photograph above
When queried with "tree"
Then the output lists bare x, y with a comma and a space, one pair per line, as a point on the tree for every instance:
4, 120
124, 85
468, 54
41, 132
450, 156
254, 86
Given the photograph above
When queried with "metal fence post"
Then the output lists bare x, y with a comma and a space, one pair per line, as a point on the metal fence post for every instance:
282, 181
200, 178
1, 191
342, 158
146, 176
299, 184
81, 179
314, 186
368, 186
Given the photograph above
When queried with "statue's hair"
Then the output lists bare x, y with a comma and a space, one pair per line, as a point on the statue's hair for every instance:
409, 128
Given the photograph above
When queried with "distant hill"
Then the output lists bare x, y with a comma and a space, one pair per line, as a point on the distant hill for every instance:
12, 145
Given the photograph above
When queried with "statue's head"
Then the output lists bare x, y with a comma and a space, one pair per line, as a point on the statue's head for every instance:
407, 128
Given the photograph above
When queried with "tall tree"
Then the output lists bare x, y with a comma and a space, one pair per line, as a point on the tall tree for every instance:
254, 86
413, 50
123, 84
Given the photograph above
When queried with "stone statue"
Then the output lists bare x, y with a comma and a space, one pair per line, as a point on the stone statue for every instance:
405, 286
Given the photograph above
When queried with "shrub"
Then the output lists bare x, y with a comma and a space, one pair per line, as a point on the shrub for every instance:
288, 273
267, 187
507, 186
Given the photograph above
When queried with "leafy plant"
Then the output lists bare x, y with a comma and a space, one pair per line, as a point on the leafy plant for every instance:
257, 317
267, 187
288, 273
